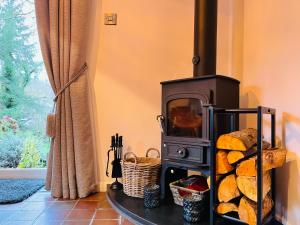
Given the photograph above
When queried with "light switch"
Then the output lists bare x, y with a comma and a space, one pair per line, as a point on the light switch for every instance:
110, 18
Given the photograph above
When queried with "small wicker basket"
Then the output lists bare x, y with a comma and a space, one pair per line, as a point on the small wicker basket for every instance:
138, 172
179, 193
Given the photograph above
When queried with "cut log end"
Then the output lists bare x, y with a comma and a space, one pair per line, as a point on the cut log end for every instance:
234, 156
227, 207
248, 209
223, 165
248, 186
274, 158
228, 189
247, 168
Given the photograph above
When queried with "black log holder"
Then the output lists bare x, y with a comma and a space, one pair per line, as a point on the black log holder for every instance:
234, 116
117, 148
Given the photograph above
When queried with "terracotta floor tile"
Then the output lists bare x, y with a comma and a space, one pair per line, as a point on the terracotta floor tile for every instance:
106, 214
105, 205
41, 197
42, 209
81, 214
101, 196
58, 205
36, 205
66, 200
43, 190
82, 204
43, 221
17, 223
125, 221
6, 214
76, 222
53, 215
15, 206
28, 216
105, 222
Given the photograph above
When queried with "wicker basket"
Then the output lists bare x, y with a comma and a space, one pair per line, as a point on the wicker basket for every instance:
179, 193
138, 172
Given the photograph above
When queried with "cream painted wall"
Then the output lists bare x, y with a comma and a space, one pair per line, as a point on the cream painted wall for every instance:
258, 43
150, 44
271, 77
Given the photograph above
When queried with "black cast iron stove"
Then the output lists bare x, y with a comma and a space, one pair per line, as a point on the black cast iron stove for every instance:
184, 119
184, 122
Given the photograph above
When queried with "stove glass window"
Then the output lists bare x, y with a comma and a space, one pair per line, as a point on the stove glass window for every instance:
184, 118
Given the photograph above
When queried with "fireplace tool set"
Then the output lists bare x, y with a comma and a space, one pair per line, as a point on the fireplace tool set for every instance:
117, 148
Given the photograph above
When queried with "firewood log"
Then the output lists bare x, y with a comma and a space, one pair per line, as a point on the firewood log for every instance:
234, 156
226, 207
223, 165
208, 180
248, 186
248, 209
228, 189
271, 158
238, 140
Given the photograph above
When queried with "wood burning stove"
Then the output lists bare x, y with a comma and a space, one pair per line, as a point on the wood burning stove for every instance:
184, 119
184, 122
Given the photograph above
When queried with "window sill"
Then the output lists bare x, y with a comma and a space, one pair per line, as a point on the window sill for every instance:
28, 173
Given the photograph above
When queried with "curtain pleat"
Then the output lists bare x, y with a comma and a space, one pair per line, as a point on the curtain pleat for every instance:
62, 31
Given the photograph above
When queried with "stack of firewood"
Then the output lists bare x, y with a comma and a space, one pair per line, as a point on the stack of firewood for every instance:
237, 174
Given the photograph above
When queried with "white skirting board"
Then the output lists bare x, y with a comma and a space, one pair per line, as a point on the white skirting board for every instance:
103, 186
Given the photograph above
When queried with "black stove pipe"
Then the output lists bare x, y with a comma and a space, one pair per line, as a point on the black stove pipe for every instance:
205, 37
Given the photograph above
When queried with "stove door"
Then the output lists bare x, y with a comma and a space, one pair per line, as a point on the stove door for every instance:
184, 118
184, 115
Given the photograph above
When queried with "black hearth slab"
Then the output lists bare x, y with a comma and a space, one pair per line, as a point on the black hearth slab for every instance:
133, 209
167, 214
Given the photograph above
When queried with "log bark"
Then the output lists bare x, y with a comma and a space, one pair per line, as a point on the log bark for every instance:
227, 207
238, 140
228, 189
234, 156
271, 158
248, 209
222, 164
248, 186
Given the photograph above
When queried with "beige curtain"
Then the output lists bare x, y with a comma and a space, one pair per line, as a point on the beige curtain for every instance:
62, 27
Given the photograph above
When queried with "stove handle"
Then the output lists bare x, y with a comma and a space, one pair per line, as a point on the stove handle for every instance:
161, 120
182, 152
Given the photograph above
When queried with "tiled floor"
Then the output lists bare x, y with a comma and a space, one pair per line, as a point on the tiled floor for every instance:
42, 209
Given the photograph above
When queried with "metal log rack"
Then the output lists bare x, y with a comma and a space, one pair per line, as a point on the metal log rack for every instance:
234, 120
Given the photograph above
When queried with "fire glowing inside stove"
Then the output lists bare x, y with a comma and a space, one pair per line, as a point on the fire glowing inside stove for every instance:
184, 118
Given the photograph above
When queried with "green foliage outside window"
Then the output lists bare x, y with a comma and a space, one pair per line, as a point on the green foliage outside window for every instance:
30, 156
25, 98
11, 150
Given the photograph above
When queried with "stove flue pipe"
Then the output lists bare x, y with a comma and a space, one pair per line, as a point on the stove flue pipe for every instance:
205, 37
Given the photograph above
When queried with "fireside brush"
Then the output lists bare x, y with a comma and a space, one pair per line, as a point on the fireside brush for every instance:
116, 147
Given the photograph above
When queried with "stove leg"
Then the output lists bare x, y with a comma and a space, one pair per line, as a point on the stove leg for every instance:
168, 176
163, 181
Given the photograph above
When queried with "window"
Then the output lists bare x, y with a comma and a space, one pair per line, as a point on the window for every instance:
25, 93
